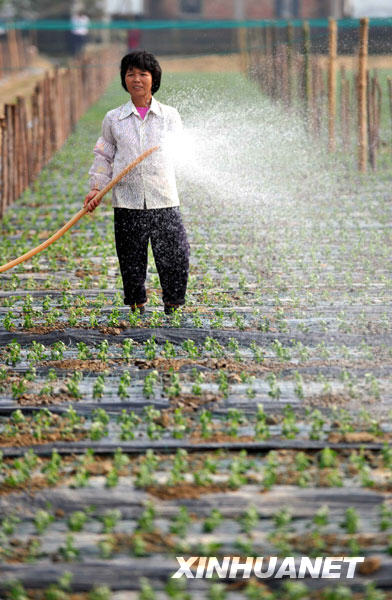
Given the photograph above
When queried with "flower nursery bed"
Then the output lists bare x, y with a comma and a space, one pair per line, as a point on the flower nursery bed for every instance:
254, 421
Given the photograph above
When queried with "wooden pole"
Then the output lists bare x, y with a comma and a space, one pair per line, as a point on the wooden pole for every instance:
78, 215
290, 40
333, 50
307, 79
362, 94
390, 96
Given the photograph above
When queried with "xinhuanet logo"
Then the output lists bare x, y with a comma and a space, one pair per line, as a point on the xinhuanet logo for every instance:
323, 567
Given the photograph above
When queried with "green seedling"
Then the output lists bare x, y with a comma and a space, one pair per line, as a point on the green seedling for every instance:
174, 389
205, 419
327, 458
320, 518
128, 421
190, 348
110, 519
42, 520
73, 384
99, 387
146, 590
69, 552
351, 520
120, 460
262, 431
274, 391
57, 350
149, 382
180, 522
169, 350
150, 348
125, 381
100, 592
127, 349
103, 349
249, 520
145, 522
234, 418
258, 352
212, 521
77, 520
180, 426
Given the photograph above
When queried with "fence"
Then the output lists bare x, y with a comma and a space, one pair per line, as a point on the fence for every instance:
15, 51
32, 130
350, 108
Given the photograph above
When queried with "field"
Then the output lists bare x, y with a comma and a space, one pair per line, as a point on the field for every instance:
254, 422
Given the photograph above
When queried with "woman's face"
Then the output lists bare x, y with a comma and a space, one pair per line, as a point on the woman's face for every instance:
138, 82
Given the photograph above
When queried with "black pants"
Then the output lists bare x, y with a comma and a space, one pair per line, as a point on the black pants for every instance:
133, 229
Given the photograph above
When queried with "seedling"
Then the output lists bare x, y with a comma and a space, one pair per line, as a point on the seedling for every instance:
150, 348
262, 431
110, 520
127, 348
190, 348
99, 387
128, 422
249, 520
350, 522
145, 522
69, 552
149, 382
42, 520
146, 591
77, 520
180, 522
169, 350
235, 418
258, 352
103, 350
57, 350
212, 521
73, 384
125, 381
205, 419
274, 391
100, 592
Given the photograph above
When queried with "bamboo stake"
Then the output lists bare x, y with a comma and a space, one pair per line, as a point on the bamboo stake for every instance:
78, 215
290, 39
307, 82
390, 96
362, 94
333, 49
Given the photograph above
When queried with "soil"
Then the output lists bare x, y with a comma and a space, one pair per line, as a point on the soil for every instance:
36, 483
370, 565
27, 439
45, 399
185, 490
74, 364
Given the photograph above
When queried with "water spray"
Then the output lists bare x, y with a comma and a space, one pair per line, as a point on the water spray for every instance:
78, 215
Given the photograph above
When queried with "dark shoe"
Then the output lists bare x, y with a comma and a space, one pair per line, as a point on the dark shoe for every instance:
138, 306
170, 308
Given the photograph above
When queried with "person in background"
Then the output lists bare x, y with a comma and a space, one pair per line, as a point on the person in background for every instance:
146, 203
79, 32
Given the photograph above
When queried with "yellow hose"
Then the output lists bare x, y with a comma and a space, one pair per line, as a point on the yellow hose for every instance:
78, 215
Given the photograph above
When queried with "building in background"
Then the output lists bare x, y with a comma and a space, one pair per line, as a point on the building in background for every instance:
371, 8
245, 9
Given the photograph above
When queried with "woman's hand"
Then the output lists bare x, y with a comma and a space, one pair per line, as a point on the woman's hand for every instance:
90, 201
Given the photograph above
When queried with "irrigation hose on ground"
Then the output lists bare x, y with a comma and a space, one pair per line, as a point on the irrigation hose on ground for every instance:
78, 215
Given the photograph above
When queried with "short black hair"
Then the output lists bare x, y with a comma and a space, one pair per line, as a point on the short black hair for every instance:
145, 61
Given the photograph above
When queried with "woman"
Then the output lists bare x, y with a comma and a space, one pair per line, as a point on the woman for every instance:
145, 202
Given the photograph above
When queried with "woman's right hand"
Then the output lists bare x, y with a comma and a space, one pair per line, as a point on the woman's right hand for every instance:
90, 202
